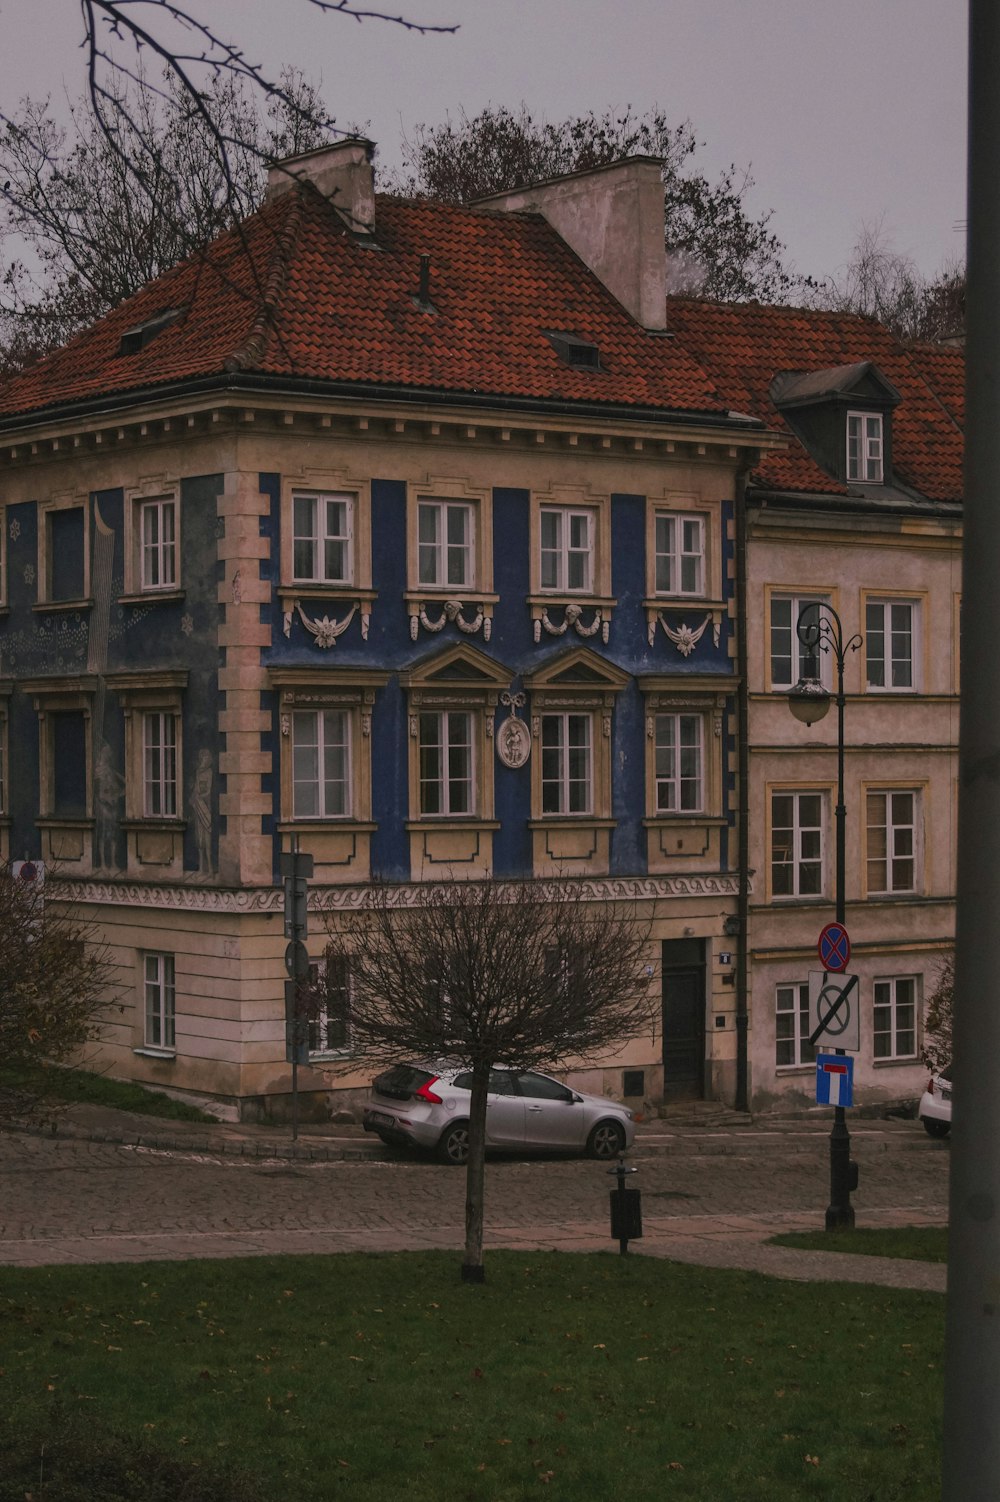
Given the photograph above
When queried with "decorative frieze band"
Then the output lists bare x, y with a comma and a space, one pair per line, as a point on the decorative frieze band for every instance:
252, 900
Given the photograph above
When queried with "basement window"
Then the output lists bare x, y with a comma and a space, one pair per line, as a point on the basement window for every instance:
574, 350
135, 339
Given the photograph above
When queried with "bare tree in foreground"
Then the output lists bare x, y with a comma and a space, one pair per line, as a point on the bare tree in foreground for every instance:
485, 973
55, 985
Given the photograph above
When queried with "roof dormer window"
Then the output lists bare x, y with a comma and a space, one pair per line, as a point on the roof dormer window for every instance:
864, 447
572, 349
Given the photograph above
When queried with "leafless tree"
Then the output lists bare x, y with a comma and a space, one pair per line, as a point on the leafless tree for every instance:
71, 202
518, 973
938, 1018
715, 247
165, 150
881, 282
56, 983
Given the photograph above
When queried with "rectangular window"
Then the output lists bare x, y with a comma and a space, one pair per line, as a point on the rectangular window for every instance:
321, 764
321, 538
892, 841
158, 543
446, 764
445, 544
159, 765
567, 550
65, 563
797, 844
329, 1006
567, 764
790, 660
69, 764
895, 1018
891, 643
864, 447
3, 765
158, 978
680, 554
791, 1025
678, 750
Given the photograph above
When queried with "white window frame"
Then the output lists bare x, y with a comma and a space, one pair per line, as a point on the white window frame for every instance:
901, 842
865, 447
562, 552
799, 830
562, 784
157, 555
677, 553
159, 985
886, 605
448, 743
325, 803
802, 661
669, 740
791, 1001
160, 746
436, 554
318, 534
886, 1000
318, 1028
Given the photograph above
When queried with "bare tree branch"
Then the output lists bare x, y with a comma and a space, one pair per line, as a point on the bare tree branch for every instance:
485, 973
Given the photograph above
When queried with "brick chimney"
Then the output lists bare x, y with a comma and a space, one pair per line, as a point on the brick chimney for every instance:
341, 171
613, 218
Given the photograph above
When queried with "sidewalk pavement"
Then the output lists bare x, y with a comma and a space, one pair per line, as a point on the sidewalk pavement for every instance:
732, 1240
347, 1141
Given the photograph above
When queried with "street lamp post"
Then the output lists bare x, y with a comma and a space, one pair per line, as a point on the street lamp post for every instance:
819, 628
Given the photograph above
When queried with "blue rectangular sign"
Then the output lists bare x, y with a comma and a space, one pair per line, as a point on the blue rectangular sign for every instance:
834, 1079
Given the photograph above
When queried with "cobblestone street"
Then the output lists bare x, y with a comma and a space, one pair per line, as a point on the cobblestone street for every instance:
709, 1196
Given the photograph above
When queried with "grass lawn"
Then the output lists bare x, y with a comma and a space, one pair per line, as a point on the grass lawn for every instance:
917, 1243
68, 1085
567, 1377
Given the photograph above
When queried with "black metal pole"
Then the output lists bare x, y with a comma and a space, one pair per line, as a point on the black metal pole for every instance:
819, 626
840, 1211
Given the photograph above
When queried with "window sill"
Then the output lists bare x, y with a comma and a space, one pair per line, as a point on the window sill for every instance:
147, 1051
682, 602
567, 821
65, 821
450, 821
330, 1055
469, 594
685, 821
153, 597
154, 823
798, 1069
317, 589
901, 1063
58, 607
303, 826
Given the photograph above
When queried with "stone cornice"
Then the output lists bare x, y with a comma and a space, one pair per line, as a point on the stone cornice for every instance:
196, 897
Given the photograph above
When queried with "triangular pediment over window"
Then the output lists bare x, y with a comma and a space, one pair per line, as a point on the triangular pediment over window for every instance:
579, 668
459, 664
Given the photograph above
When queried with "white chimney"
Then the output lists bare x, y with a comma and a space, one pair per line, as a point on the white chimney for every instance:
342, 172
613, 218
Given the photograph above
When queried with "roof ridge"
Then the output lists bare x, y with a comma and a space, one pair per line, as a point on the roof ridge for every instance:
254, 347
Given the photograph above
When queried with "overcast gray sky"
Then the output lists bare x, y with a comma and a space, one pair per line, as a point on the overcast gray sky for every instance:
845, 113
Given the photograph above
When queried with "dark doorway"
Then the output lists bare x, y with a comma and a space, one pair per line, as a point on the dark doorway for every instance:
683, 964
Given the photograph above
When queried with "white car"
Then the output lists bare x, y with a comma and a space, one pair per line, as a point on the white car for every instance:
935, 1106
427, 1106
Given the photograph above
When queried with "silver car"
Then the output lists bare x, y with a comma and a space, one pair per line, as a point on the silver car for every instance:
427, 1106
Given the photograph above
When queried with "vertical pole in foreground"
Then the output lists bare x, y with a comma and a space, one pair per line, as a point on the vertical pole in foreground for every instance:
972, 1355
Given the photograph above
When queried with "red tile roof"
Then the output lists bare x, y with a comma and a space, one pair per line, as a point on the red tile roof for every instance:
294, 295
743, 346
